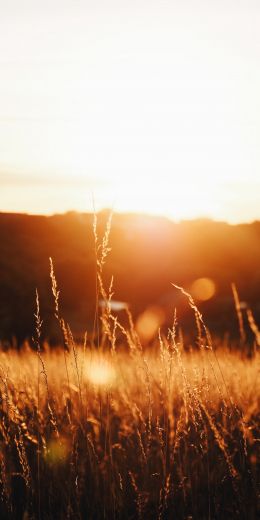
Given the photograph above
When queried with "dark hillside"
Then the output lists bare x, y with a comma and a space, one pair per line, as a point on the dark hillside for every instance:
147, 254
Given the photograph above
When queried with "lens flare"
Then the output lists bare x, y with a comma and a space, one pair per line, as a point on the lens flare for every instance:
203, 289
57, 451
149, 322
101, 372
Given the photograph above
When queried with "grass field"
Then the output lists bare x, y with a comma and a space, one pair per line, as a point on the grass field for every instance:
137, 434
108, 429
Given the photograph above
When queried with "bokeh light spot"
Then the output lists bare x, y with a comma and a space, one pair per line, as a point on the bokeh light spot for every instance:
57, 451
101, 372
149, 322
203, 289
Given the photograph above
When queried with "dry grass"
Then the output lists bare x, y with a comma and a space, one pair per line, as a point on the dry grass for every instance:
113, 431
118, 435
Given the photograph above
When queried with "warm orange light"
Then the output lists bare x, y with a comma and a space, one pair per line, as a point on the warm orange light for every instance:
100, 372
149, 322
203, 289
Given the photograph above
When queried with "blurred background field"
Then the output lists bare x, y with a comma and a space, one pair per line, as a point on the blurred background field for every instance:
147, 255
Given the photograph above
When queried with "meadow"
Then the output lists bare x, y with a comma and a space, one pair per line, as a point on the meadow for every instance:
109, 428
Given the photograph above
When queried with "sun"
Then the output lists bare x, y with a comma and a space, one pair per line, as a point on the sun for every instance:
164, 195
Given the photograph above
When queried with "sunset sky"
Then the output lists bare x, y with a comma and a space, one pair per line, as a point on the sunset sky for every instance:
141, 105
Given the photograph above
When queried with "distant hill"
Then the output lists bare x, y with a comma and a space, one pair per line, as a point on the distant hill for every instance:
147, 254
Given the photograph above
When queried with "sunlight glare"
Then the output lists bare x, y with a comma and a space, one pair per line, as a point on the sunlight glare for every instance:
100, 373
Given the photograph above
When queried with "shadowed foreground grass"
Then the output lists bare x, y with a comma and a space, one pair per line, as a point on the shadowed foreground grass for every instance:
153, 435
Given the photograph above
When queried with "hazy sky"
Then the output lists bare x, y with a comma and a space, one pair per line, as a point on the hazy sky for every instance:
147, 106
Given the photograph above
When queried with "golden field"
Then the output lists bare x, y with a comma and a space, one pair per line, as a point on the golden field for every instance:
108, 428
161, 434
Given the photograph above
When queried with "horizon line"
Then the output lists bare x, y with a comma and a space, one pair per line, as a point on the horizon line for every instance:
130, 213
